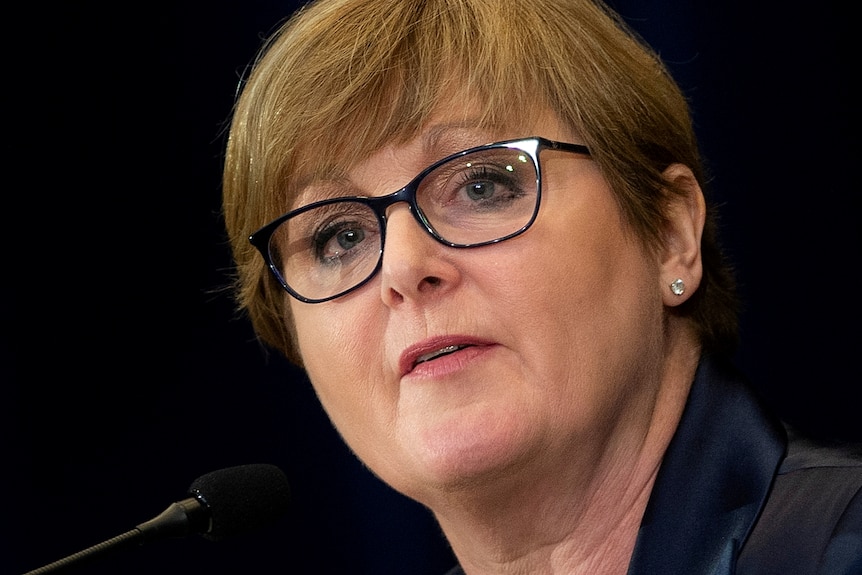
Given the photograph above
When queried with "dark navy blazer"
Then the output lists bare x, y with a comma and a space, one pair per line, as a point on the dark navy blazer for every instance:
737, 494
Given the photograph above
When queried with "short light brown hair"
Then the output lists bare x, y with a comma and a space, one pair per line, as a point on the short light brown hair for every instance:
341, 78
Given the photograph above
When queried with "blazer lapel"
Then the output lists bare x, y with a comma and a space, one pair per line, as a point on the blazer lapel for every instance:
713, 481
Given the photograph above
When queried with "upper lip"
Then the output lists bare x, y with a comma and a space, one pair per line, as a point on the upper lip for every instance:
411, 355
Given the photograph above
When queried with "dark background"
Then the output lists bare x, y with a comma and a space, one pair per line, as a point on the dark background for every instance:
126, 375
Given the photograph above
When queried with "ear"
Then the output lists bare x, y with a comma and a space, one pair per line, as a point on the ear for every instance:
681, 254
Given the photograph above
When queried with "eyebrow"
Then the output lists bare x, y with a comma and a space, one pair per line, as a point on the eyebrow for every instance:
449, 138
321, 186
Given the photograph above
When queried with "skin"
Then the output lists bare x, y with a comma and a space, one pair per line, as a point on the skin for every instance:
537, 446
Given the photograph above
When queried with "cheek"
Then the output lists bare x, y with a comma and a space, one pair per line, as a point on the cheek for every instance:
345, 365
581, 258
594, 285
326, 337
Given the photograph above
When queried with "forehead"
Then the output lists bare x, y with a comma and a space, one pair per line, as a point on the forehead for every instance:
354, 135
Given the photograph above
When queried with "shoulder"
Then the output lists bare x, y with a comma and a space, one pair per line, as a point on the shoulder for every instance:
812, 519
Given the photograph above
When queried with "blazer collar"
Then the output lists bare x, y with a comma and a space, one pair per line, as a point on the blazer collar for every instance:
713, 481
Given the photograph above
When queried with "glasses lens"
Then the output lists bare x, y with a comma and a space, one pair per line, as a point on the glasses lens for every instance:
483, 196
480, 197
328, 249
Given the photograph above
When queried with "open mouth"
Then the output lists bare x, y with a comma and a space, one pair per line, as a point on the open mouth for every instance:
438, 353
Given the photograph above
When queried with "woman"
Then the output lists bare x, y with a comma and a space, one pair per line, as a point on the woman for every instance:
480, 228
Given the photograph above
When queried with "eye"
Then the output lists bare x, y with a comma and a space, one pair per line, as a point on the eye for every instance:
486, 181
337, 239
480, 190
485, 188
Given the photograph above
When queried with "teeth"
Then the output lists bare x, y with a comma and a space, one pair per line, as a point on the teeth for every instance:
438, 353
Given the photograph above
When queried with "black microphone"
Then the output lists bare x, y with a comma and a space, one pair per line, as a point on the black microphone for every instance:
223, 503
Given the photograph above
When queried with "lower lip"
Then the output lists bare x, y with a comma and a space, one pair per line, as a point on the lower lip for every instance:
448, 364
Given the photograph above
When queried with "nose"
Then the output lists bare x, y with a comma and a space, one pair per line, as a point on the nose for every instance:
415, 266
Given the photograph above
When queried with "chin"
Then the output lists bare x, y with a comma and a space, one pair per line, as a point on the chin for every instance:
468, 449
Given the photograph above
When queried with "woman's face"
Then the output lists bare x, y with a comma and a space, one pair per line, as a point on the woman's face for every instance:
558, 331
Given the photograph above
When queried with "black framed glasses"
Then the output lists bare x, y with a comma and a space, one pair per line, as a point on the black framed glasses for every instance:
473, 198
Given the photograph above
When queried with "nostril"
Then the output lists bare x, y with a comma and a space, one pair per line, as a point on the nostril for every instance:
432, 280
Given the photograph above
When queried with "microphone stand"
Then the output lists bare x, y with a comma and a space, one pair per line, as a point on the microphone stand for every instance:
125, 540
178, 520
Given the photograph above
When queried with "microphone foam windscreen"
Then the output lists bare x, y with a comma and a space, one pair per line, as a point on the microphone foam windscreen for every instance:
242, 498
